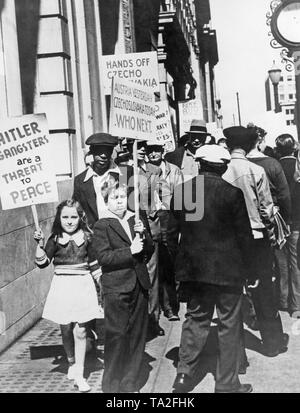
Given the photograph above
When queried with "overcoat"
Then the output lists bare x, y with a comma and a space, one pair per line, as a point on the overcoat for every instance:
215, 247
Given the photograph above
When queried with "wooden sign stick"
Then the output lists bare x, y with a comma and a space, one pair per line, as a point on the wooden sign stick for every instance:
35, 217
136, 182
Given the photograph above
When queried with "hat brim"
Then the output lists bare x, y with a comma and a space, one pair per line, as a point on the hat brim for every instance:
198, 133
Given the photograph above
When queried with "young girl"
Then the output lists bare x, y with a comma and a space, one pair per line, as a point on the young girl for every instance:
122, 248
72, 299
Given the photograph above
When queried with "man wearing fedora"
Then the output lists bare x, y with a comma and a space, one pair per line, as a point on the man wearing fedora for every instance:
184, 156
210, 262
172, 177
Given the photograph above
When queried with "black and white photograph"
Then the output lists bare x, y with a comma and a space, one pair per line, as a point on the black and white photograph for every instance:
150, 199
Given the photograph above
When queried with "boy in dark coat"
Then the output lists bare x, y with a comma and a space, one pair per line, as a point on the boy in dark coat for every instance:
123, 248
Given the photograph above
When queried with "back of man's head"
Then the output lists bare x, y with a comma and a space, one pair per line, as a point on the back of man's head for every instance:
239, 137
285, 145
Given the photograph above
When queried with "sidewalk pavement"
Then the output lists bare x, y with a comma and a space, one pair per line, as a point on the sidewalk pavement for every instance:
47, 371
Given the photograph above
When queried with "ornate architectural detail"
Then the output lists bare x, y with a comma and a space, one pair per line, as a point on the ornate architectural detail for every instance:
273, 6
286, 56
288, 59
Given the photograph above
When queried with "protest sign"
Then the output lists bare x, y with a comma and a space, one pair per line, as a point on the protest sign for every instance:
27, 176
164, 132
188, 111
132, 111
141, 68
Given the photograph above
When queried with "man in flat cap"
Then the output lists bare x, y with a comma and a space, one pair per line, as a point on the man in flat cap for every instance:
253, 181
210, 264
184, 156
90, 186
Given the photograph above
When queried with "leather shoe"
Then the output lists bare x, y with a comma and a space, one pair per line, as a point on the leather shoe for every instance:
244, 388
282, 349
182, 384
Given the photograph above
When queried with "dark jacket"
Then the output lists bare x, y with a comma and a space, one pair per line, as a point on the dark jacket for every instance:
288, 164
215, 248
84, 192
111, 247
176, 157
278, 184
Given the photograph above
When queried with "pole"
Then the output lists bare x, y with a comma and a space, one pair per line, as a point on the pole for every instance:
297, 106
277, 106
136, 182
35, 217
239, 110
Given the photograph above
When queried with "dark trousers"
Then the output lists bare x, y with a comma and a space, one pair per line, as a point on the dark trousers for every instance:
200, 309
264, 297
126, 322
169, 300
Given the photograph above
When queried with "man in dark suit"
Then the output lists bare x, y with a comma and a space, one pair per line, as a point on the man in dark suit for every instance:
210, 264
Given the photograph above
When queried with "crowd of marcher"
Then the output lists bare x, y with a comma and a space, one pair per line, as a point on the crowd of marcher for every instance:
217, 226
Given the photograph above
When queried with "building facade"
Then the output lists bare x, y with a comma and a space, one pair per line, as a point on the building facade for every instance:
50, 54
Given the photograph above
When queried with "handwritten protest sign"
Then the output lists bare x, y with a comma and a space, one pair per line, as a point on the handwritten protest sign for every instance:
27, 176
164, 132
132, 111
141, 68
188, 111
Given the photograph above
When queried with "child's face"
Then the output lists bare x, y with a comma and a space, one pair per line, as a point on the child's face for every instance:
117, 202
69, 219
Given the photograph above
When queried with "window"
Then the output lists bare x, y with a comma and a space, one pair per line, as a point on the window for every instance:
291, 96
281, 97
290, 78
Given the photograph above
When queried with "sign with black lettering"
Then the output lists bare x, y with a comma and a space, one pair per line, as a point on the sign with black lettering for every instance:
141, 68
27, 176
164, 132
132, 111
188, 111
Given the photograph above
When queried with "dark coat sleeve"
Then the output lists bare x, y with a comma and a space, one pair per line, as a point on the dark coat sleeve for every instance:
76, 192
173, 229
283, 195
110, 259
148, 242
